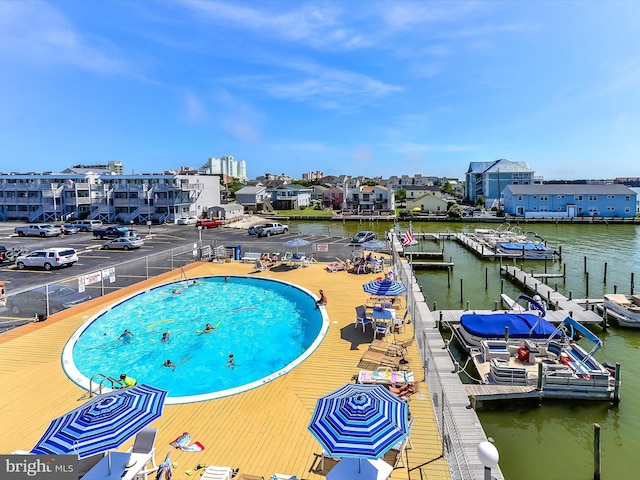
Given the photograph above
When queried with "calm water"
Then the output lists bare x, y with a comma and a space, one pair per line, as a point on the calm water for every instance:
266, 324
554, 441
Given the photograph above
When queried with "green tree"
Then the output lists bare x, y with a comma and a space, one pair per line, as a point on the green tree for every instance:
454, 210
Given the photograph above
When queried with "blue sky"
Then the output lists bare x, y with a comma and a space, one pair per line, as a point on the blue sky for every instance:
345, 87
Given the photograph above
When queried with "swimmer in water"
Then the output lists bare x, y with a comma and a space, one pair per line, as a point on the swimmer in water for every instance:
231, 362
169, 364
166, 337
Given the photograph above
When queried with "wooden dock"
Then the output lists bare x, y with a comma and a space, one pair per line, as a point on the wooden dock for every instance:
431, 265
554, 299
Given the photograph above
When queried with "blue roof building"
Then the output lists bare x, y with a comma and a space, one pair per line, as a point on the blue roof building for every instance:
488, 179
562, 200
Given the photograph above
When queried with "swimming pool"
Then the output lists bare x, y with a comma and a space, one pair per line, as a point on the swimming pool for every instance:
270, 327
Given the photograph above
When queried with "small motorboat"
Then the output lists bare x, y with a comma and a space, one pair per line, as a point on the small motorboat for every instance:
626, 309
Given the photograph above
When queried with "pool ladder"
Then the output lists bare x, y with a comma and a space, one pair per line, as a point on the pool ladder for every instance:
115, 383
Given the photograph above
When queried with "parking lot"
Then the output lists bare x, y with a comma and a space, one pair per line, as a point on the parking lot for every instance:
166, 247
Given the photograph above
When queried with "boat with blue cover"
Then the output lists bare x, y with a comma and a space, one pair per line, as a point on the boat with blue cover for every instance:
524, 320
564, 370
534, 247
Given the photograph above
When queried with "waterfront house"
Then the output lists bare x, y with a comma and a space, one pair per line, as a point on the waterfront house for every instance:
290, 197
252, 198
427, 203
369, 199
564, 200
488, 179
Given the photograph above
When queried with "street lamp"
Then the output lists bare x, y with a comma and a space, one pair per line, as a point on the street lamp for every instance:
488, 455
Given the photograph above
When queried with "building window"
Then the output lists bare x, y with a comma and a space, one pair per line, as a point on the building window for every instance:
610, 197
593, 198
626, 209
544, 198
519, 198
610, 209
577, 198
627, 198
560, 196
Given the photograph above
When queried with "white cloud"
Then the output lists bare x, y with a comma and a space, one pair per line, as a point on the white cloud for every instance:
35, 32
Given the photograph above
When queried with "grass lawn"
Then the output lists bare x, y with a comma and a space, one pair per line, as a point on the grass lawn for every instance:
307, 212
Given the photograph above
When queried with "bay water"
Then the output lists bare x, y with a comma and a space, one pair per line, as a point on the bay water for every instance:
554, 440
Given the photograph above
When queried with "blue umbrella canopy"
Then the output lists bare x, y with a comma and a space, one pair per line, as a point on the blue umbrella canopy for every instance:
103, 423
384, 288
375, 245
363, 421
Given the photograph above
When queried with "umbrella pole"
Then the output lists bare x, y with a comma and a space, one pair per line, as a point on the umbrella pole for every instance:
109, 462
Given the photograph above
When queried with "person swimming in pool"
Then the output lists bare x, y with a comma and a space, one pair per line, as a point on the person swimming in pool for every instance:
169, 364
126, 336
209, 328
166, 337
231, 362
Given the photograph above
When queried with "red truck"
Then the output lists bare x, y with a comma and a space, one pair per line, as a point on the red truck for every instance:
208, 223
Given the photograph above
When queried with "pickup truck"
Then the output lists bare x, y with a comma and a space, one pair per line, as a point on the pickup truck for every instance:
208, 223
38, 230
114, 232
272, 228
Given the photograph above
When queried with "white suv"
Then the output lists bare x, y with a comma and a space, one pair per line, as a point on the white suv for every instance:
87, 225
48, 258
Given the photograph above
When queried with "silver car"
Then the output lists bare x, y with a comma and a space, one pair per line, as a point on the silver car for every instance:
47, 259
123, 243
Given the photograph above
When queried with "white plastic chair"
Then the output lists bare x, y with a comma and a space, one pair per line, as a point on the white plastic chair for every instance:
143, 451
213, 472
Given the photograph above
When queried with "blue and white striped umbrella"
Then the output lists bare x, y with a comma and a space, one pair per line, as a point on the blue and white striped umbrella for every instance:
297, 242
384, 288
363, 421
103, 423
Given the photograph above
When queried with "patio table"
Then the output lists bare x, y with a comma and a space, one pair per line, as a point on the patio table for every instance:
360, 469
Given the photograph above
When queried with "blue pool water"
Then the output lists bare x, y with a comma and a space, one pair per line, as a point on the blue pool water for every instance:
268, 325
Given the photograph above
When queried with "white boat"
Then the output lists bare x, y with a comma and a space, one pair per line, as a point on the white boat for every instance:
557, 370
625, 309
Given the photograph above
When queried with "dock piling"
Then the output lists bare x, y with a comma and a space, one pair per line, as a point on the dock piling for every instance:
604, 280
596, 451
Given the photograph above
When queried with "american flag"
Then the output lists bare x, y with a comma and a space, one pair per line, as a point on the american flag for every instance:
407, 239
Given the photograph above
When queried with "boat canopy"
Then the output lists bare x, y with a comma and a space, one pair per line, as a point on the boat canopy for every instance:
571, 323
521, 325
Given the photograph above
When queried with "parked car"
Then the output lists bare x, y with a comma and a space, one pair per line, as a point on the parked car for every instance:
48, 258
34, 302
187, 221
123, 243
254, 229
87, 225
209, 223
38, 230
114, 232
273, 228
363, 236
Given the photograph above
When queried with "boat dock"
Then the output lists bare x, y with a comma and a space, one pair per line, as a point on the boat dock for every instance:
487, 251
486, 393
554, 299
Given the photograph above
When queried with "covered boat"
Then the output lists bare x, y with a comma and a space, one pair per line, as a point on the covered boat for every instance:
517, 323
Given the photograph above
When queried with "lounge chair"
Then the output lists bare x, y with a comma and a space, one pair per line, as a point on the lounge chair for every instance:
287, 257
362, 318
251, 257
143, 451
395, 349
372, 359
282, 476
213, 472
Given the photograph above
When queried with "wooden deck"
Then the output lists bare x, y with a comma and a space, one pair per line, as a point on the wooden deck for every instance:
261, 432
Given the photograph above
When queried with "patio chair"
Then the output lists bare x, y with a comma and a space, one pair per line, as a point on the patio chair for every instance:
400, 324
287, 257
372, 359
87, 463
362, 318
213, 472
395, 456
143, 451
